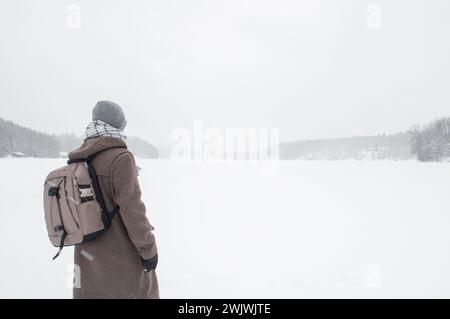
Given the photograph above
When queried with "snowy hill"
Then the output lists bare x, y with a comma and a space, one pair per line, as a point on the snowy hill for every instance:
15, 139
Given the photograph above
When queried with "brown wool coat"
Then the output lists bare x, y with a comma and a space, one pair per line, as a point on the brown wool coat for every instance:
110, 266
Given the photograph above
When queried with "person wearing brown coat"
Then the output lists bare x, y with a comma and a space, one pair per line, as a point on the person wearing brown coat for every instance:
121, 262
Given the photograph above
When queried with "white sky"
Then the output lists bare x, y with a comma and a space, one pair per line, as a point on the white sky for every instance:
311, 68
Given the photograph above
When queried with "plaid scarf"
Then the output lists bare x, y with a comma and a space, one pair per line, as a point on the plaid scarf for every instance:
99, 128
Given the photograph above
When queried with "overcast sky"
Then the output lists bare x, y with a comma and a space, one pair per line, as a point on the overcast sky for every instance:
314, 69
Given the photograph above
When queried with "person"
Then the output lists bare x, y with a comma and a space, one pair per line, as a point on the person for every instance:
121, 262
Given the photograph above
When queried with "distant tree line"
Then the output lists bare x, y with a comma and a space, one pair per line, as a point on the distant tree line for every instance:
15, 138
142, 148
431, 142
392, 147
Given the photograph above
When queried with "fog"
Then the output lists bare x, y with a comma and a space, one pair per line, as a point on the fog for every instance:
313, 69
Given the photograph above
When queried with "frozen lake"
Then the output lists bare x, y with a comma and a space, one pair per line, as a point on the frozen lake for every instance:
331, 229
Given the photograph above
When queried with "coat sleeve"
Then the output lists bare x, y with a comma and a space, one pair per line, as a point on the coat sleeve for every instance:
127, 194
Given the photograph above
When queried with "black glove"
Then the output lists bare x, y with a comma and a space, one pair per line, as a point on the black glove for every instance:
150, 264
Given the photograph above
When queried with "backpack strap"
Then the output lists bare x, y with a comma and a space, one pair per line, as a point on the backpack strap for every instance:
61, 244
106, 216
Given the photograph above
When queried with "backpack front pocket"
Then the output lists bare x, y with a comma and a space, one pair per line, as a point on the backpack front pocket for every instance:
91, 217
58, 213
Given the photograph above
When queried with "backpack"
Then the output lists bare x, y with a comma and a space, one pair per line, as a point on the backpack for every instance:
75, 210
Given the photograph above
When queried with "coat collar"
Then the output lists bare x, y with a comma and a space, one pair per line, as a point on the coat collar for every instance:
95, 145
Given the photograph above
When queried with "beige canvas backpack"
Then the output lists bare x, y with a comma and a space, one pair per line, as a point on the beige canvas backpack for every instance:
75, 211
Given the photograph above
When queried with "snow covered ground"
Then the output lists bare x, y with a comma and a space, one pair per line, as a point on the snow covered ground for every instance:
313, 229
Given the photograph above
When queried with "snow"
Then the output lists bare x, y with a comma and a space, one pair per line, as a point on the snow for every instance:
331, 229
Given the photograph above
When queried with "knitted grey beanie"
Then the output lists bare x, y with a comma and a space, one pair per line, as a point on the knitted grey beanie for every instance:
109, 112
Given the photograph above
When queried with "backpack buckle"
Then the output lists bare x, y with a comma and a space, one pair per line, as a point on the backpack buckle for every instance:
53, 191
86, 193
